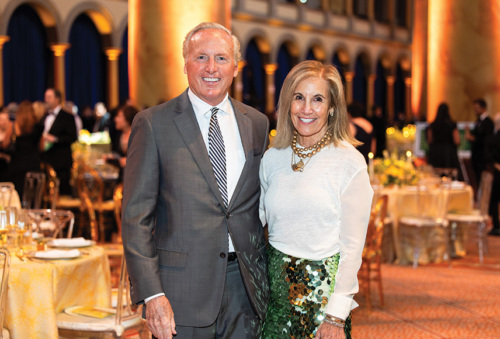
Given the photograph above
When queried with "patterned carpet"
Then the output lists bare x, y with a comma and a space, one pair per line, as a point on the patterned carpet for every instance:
436, 301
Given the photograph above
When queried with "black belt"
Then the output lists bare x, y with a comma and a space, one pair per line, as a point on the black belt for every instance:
231, 256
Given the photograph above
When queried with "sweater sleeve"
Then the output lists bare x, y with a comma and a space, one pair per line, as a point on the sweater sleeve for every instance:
356, 199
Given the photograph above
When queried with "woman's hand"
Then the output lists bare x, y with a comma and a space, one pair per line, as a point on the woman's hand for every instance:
329, 331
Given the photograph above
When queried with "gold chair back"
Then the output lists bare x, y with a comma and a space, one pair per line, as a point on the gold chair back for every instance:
4, 274
117, 197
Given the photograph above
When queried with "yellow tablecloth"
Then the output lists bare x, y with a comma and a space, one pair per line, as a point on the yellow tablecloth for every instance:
38, 290
403, 202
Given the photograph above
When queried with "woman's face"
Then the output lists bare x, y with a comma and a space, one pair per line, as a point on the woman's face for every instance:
120, 121
309, 110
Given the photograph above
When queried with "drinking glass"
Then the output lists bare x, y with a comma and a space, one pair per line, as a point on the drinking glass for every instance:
4, 227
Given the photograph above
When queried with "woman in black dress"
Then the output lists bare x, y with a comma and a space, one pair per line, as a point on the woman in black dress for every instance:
24, 146
443, 139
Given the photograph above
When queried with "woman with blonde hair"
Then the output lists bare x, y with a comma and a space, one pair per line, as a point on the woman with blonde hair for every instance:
315, 199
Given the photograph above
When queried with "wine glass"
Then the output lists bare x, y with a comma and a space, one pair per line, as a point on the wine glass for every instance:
4, 227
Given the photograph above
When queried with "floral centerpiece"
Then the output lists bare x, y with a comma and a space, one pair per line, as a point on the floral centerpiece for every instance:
401, 141
392, 170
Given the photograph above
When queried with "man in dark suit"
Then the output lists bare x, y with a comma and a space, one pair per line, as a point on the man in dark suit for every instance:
482, 130
59, 132
192, 238
493, 161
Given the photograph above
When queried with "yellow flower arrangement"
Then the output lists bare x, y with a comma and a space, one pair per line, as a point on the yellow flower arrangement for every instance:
395, 171
400, 141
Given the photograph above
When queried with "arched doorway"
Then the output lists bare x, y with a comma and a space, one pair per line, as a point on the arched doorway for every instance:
85, 64
254, 82
359, 81
27, 62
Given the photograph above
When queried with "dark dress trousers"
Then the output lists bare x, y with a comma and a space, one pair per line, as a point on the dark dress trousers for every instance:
174, 223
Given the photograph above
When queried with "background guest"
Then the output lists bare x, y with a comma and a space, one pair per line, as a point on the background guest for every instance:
493, 161
123, 122
379, 123
361, 129
102, 117
6, 131
40, 109
88, 118
59, 132
443, 139
24, 142
477, 137
70, 107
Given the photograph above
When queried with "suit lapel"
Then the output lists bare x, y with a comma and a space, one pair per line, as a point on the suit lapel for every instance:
190, 131
245, 129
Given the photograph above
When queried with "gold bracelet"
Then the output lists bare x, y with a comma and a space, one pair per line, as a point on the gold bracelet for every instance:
335, 319
334, 323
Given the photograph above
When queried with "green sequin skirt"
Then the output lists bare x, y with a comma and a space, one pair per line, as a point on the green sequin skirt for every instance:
300, 289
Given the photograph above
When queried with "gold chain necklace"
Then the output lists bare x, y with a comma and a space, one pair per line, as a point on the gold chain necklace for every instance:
307, 152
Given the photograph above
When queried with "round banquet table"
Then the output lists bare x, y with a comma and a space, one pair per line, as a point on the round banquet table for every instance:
39, 289
402, 201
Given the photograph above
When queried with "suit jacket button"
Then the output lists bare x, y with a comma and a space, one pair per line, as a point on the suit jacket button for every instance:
228, 215
222, 254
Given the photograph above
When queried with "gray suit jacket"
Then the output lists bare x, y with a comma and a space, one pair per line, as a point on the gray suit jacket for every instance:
174, 223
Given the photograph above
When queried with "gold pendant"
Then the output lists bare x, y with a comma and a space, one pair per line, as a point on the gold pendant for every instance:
298, 166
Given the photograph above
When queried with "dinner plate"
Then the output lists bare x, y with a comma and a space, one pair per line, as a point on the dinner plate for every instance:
55, 254
70, 243
90, 311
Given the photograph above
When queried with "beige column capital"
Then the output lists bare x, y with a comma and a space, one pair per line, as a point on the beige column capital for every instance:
113, 53
270, 68
371, 78
408, 82
3, 40
60, 49
348, 76
390, 80
241, 65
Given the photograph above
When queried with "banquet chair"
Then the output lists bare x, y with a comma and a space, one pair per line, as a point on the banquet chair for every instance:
34, 186
51, 190
429, 225
90, 189
6, 191
478, 217
52, 223
118, 197
69, 202
4, 274
372, 251
126, 322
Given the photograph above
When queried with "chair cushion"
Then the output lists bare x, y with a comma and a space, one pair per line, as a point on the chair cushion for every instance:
474, 216
422, 222
83, 323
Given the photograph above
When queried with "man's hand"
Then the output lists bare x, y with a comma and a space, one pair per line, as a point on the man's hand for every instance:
50, 138
328, 331
160, 318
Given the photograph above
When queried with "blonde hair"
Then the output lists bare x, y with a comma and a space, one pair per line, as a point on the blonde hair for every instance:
39, 109
211, 25
338, 124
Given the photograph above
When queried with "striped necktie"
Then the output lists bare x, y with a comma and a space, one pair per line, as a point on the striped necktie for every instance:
217, 154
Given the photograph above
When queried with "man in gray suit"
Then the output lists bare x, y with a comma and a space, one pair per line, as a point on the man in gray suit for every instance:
192, 238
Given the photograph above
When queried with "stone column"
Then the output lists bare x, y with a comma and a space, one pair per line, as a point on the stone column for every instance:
370, 93
390, 98
270, 69
113, 77
348, 86
59, 67
408, 112
3, 40
463, 59
238, 82
156, 32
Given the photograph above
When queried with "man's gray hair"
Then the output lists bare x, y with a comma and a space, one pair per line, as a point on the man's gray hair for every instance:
211, 25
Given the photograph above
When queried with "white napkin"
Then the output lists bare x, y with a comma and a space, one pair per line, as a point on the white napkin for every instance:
457, 184
57, 254
72, 242
47, 225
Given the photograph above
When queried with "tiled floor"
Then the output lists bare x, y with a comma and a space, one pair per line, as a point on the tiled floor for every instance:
436, 301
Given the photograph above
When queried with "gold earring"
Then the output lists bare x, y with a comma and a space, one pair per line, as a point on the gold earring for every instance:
331, 112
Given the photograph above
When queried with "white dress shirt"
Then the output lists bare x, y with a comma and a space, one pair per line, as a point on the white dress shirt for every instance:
319, 212
235, 155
